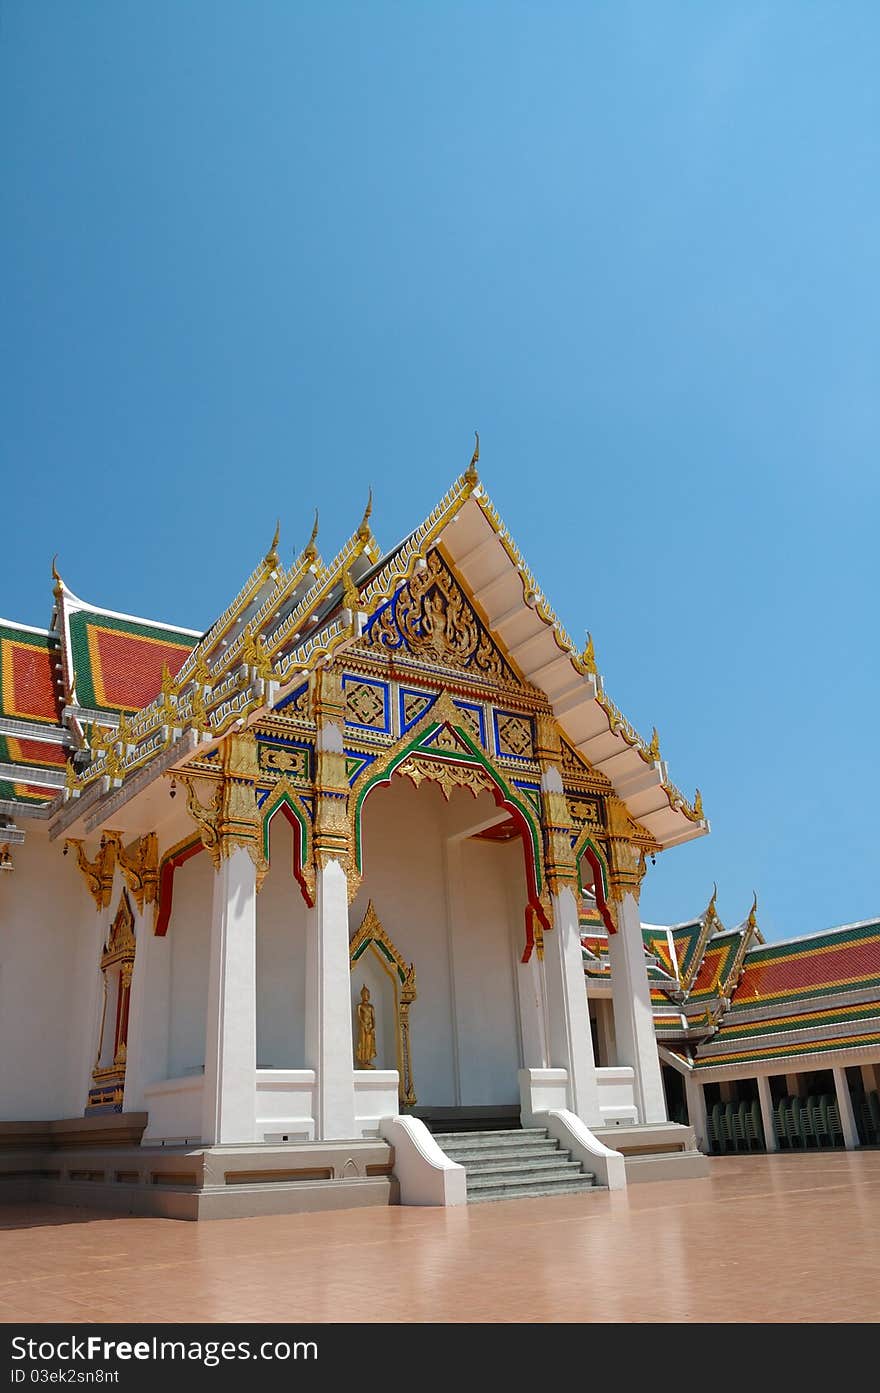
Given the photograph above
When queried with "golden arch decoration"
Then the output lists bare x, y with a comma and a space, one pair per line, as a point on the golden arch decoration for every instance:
371, 937
455, 747
284, 797
586, 848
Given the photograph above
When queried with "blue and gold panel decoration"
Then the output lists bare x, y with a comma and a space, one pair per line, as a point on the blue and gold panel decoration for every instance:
295, 703
306, 800
474, 720
356, 761
585, 812
514, 735
531, 792
366, 703
413, 704
107, 1099
278, 755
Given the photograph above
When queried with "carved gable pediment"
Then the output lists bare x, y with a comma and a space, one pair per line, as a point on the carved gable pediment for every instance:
432, 618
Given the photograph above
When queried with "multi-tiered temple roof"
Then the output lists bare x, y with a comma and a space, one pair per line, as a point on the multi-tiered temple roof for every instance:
723, 998
101, 698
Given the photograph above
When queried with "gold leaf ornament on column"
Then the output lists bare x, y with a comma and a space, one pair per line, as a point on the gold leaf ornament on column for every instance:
98, 874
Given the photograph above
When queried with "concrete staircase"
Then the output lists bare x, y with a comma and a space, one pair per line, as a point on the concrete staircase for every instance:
515, 1163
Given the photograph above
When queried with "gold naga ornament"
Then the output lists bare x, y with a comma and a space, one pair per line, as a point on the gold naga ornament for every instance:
588, 657
254, 655
168, 703
231, 819
139, 864
98, 874
351, 598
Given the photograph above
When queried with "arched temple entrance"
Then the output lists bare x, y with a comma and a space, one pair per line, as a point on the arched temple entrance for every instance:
444, 868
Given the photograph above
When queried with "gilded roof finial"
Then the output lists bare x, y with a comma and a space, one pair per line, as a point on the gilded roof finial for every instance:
311, 550
711, 912
471, 471
350, 593
654, 747
752, 921
588, 657
364, 529
70, 780
270, 560
59, 584
698, 805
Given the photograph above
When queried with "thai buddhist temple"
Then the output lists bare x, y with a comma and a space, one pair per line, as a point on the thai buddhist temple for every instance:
337, 903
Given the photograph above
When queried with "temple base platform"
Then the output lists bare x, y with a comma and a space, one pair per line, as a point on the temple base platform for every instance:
97, 1162
656, 1150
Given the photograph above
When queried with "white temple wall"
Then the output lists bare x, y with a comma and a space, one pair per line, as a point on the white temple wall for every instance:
50, 938
404, 877
445, 903
489, 1055
189, 930
281, 957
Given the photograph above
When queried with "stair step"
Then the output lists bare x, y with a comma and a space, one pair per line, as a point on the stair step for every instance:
468, 1140
514, 1163
539, 1147
508, 1154
531, 1166
515, 1175
584, 1186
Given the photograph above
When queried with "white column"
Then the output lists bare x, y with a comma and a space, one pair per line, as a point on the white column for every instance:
765, 1098
793, 1085
148, 1013
328, 1005
869, 1077
532, 1013
605, 1028
570, 1041
633, 1017
696, 1106
456, 913
845, 1108
229, 1100
529, 976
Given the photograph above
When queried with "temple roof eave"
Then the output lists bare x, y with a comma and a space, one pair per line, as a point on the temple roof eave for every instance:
504, 590
476, 543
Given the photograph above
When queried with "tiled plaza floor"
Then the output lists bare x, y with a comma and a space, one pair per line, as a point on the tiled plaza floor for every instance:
764, 1239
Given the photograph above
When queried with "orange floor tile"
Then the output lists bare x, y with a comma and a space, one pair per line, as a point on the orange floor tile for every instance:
764, 1239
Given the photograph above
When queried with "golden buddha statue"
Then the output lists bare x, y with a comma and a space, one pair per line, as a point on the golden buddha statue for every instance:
365, 1051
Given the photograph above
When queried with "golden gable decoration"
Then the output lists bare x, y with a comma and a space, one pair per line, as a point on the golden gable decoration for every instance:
432, 618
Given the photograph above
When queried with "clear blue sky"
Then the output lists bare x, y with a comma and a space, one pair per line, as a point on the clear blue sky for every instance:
257, 255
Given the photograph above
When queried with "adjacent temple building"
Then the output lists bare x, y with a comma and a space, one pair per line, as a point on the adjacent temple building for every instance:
338, 903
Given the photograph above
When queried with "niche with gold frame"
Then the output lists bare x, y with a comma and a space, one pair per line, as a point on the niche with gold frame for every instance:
117, 965
372, 938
